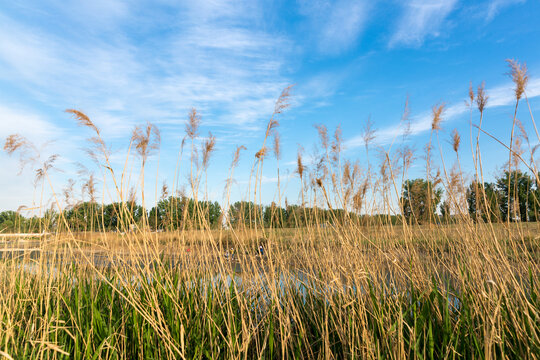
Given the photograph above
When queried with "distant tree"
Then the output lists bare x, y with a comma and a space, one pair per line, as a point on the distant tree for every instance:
415, 202
445, 211
121, 217
522, 195
245, 213
50, 220
483, 202
8, 221
211, 213
179, 212
84, 216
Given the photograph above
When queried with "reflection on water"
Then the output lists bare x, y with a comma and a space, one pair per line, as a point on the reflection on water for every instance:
250, 277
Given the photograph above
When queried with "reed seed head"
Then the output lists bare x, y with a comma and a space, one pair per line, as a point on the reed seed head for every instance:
456, 140
437, 112
283, 102
522, 131
323, 136
208, 147
192, 126
517, 151
13, 143
481, 97
146, 140
336, 144
132, 196
369, 133
299, 165
346, 176
164, 191
261, 154
519, 75
277, 146
89, 187
83, 119
236, 156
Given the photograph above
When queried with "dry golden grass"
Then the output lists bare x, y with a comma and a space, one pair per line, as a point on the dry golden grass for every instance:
346, 286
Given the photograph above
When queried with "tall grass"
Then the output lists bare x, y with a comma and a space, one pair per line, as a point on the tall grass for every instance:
348, 287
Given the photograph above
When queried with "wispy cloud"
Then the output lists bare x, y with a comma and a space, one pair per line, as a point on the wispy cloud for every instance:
337, 25
502, 95
206, 58
495, 6
319, 89
419, 20
35, 127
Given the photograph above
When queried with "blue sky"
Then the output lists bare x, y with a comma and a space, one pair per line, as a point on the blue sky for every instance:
127, 62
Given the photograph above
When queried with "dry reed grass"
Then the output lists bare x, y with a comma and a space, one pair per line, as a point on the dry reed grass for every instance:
347, 286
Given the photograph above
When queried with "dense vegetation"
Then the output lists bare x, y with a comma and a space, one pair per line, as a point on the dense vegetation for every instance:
370, 264
180, 212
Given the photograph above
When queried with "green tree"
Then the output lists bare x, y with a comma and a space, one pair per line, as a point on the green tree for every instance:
9, 221
414, 200
445, 211
84, 216
522, 195
245, 213
484, 202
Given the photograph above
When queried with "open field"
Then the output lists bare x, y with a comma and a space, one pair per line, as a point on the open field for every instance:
312, 293
370, 264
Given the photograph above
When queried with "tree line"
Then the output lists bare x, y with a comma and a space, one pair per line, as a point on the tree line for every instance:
513, 196
420, 202
173, 213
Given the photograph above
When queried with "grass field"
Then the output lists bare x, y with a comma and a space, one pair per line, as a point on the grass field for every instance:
444, 294
380, 277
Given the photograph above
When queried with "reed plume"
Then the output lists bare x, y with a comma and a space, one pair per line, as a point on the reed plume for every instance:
283, 102
299, 164
164, 191
236, 156
208, 148
83, 119
336, 145
323, 136
261, 154
437, 112
146, 140
277, 146
192, 126
13, 143
456, 140
28, 153
481, 98
520, 77
368, 134
89, 187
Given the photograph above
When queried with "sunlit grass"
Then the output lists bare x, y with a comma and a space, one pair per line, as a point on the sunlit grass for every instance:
356, 273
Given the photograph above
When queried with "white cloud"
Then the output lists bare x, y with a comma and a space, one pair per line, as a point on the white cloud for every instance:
337, 25
16, 185
23, 52
208, 58
344, 25
495, 7
207, 54
419, 20
29, 124
502, 95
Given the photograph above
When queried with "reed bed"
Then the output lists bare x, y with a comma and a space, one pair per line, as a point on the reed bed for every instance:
365, 281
